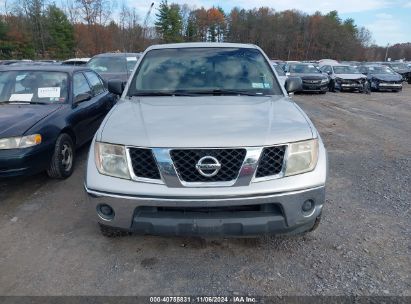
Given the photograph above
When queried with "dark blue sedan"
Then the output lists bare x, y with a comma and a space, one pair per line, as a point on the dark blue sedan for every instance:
46, 112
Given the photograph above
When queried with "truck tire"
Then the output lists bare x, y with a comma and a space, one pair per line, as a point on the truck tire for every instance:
112, 232
62, 161
316, 224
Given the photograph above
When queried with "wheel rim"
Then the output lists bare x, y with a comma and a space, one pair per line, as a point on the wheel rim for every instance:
67, 157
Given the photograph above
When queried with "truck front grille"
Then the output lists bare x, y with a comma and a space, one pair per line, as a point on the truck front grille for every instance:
271, 161
185, 161
143, 163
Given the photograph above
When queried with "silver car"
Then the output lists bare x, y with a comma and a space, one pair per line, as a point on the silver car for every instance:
205, 141
345, 78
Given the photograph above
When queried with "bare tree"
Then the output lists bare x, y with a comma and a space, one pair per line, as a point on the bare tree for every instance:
96, 13
71, 9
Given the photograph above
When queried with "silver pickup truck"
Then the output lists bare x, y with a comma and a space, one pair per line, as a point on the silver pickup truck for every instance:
205, 141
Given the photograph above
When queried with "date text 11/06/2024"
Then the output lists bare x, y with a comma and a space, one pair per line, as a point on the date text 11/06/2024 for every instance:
204, 299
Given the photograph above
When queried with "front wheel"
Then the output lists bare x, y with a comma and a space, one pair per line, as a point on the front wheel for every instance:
62, 161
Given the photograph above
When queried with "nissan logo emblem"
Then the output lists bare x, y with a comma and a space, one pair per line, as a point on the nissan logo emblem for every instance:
208, 166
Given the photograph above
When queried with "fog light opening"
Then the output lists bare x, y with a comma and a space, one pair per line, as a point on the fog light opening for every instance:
308, 206
105, 212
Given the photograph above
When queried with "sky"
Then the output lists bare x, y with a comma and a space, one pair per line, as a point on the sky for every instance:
388, 20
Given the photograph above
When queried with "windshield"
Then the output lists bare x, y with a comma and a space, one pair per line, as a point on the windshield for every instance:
380, 70
204, 70
303, 69
398, 66
279, 70
114, 64
33, 87
345, 69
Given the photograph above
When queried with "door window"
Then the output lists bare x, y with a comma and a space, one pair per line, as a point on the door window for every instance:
80, 85
97, 86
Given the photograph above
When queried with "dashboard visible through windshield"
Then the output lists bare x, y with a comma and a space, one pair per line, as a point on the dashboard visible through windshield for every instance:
33, 87
204, 71
303, 69
345, 69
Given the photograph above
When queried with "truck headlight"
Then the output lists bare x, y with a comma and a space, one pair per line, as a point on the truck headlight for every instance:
325, 80
302, 157
111, 160
20, 142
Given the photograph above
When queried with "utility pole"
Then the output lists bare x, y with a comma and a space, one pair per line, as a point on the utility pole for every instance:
146, 22
386, 52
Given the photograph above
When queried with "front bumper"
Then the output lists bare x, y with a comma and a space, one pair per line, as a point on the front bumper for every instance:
27, 161
276, 213
349, 86
323, 87
384, 86
259, 207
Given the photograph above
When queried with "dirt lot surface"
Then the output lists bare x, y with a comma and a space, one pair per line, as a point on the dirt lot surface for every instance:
49, 245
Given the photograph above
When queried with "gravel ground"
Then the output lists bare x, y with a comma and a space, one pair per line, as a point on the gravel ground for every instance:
49, 245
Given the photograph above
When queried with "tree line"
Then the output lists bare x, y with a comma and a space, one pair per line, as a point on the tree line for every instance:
39, 29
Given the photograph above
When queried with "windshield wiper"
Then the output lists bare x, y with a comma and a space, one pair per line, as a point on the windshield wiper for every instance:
227, 92
171, 93
199, 92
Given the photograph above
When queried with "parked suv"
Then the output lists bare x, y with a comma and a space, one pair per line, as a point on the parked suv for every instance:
205, 141
114, 65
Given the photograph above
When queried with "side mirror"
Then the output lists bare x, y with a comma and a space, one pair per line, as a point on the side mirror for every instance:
81, 98
293, 84
115, 86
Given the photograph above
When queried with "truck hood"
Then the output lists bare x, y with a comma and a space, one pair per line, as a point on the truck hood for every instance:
206, 121
16, 119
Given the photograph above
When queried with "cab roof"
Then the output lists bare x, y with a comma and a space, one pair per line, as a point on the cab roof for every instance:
117, 55
202, 45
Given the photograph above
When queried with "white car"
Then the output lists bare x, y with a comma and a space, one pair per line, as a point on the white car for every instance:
76, 61
345, 78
